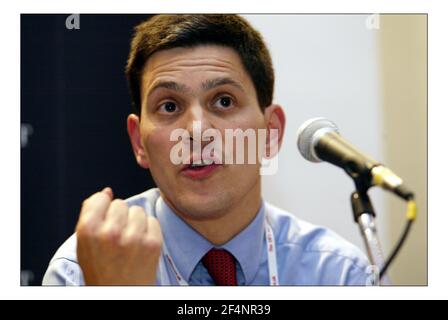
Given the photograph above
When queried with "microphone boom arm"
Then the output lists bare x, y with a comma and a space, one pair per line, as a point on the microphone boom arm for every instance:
364, 216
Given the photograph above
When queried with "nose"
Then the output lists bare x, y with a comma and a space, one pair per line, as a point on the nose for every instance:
197, 121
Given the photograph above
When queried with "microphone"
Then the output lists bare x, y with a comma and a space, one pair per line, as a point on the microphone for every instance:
318, 140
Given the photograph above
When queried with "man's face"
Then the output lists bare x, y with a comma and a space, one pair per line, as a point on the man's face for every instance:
209, 84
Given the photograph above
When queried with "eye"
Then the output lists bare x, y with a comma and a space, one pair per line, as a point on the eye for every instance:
224, 102
168, 107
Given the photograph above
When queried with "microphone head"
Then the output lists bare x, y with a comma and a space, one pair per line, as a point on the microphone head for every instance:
309, 133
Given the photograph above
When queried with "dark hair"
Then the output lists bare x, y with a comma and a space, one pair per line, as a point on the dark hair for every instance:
170, 31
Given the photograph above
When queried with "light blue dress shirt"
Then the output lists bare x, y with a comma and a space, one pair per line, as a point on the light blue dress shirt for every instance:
306, 254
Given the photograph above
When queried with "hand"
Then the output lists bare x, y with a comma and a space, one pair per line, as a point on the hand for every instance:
117, 245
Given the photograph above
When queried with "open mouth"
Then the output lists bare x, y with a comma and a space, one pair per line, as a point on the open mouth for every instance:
202, 164
200, 170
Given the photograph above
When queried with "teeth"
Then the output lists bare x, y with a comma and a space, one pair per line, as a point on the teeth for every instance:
203, 163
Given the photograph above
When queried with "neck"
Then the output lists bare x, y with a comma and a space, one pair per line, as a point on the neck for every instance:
236, 218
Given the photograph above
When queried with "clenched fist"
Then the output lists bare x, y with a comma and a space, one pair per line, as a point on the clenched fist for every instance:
117, 244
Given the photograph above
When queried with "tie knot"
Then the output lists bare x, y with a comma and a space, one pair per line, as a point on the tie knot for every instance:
221, 267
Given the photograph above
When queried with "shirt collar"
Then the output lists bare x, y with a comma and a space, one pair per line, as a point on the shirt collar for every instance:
187, 247
247, 245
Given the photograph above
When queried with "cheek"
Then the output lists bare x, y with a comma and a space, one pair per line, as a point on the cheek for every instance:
246, 152
158, 145
249, 118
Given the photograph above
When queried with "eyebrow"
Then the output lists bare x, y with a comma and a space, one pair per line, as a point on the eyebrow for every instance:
213, 83
171, 85
206, 85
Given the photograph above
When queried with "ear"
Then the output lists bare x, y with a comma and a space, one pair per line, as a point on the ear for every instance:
133, 125
275, 119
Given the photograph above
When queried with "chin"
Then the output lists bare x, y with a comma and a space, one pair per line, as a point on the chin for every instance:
203, 206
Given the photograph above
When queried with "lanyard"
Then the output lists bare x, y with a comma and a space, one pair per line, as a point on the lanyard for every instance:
270, 248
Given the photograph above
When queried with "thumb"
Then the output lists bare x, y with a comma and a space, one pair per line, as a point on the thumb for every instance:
109, 192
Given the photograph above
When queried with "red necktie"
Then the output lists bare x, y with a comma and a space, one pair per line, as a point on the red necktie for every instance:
221, 267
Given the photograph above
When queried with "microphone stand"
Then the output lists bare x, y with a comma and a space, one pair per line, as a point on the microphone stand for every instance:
364, 216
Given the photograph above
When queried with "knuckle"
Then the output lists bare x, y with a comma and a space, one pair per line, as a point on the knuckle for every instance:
120, 203
88, 200
131, 240
154, 225
137, 211
85, 228
110, 234
137, 208
152, 244
152, 219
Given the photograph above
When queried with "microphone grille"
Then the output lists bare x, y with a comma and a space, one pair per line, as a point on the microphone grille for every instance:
306, 136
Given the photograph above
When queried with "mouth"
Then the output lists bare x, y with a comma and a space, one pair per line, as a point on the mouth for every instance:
198, 171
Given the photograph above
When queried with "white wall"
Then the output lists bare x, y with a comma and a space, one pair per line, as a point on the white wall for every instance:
325, 65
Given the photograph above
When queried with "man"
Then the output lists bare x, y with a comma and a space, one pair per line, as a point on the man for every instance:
206, 223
